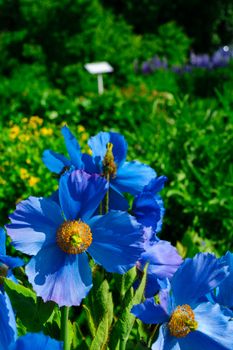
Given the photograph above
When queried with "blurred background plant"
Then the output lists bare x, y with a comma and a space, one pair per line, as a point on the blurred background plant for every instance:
178, 118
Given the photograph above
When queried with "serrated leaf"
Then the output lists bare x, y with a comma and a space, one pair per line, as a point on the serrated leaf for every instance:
101, 335
124, 324
104, 297
90, 321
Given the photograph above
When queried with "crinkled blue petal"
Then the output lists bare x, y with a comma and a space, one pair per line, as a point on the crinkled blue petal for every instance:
117, 241
214, 332
166, 299
196, 277
149, 312
225, 289
132, 177
147, 210
7, 322
80, 194
155, 185
163, 259
37, 341
89, 164
165, 341
63, 278
149, 236
55, 162
2, 241
116, 200
32, 221
73, 148
98, 146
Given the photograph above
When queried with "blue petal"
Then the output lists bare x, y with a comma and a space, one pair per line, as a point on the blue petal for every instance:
147, 210
60, 277
155, 185
99, 142
55, 162
81, 193
2, 241
163, 259
214, 331
149, 312
117, 241
132, 177
196, 277
7, 322
38, 341
73, 148
10, 261
116, 200
33, 220
225, 289
165, 341
152, 286
166, 299
89, 165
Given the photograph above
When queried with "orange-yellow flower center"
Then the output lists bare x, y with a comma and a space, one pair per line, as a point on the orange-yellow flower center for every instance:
182, 321
109, 165
74, 237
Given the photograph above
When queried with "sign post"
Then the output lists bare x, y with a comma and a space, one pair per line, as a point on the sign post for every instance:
99, 68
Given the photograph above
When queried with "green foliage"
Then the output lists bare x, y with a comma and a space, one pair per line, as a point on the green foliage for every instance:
31, 311
122, 328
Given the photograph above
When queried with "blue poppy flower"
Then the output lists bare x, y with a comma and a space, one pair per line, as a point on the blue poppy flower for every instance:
60, 236
108, 159
7, 263
223, 293
148, 206
7, 322
186, 322
38, 341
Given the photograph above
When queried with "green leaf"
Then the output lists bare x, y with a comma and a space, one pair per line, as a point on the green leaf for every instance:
125, 322
90, 320
31, 311
105, 309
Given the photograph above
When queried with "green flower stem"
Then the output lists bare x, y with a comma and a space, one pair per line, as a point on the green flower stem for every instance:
123, 345
64, 327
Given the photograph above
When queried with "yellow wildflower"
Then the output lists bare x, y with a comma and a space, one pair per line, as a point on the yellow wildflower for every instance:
14, 131
84, 136
47, 131
35, 119
80, 128
23, 173
33, 181
24, 137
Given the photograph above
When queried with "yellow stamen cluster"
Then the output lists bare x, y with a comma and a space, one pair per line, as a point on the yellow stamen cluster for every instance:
74, 237
109, 165
182, 321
